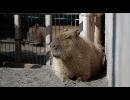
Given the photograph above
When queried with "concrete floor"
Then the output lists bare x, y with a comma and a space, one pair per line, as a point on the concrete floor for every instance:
40, 77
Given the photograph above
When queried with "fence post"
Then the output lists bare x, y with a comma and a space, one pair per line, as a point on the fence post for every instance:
17, 23
91, 25
84, 26
48, 23
98, 28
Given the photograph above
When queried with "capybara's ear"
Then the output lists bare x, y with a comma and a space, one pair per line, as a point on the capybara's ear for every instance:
77, 32
65, 30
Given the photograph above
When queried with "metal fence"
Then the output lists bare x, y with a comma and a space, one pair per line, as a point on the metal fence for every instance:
33, 35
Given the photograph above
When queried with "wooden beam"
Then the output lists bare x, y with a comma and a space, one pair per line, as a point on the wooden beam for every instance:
98, 28
91, 25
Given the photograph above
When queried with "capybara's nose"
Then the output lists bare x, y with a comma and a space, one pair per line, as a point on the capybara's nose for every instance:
54, 44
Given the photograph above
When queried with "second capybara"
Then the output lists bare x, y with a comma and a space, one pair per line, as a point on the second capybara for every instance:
36, 34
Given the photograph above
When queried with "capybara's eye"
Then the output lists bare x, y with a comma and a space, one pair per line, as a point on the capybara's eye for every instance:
69, 37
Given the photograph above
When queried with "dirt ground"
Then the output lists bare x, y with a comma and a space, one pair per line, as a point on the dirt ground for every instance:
40, 77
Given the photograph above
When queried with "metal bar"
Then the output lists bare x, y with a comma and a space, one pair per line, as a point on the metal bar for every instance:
67, 21
75, 21
55, 25
63, 22
59, 24
71, 20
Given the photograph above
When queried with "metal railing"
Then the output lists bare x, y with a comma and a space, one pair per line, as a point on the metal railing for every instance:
33, 50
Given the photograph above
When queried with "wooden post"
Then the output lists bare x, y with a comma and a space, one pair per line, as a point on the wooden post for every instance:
91, 25
17, 23
48, 22
98, 27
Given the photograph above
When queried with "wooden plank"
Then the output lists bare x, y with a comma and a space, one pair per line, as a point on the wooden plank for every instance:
91, 26
98, 27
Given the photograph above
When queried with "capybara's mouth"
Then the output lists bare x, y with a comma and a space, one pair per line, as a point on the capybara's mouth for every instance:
55, 54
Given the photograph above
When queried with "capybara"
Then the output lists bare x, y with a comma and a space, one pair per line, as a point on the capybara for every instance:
36, 34
75, 58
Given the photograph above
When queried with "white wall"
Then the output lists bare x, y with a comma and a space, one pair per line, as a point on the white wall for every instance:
117, 46
122, 57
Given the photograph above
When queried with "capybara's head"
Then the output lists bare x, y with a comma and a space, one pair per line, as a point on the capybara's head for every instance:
64, 44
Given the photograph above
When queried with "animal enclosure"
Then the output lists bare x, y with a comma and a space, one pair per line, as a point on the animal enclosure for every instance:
27, 43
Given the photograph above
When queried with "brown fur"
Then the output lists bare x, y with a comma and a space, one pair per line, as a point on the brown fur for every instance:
37, 33
75, 58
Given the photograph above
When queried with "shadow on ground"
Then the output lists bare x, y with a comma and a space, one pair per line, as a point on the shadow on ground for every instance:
8, 59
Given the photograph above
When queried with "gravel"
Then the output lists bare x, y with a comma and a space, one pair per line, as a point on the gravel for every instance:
41, 77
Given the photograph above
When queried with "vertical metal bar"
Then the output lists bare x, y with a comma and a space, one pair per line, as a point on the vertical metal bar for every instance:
74, 21
78, 22
55, 24
71, 19
63, 21
9, 47
5, 50
27, 46
59, 22
31, 46
17, 22
13, 48
37, 42
67, 21
114, 51
0, 51
41, 54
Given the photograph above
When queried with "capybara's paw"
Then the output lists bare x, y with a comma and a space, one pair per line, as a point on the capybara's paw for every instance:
64, 78
79, 79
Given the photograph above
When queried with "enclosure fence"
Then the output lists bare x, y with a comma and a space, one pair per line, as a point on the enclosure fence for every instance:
24, 38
